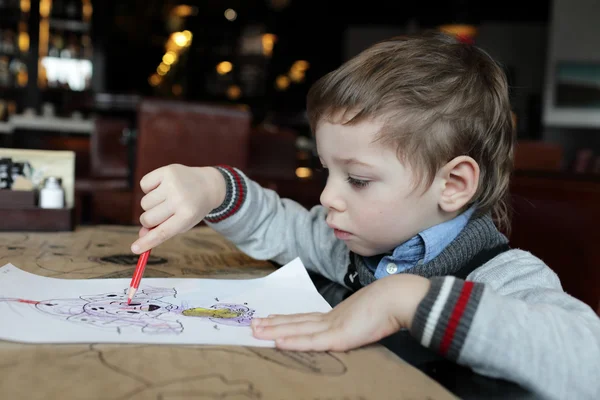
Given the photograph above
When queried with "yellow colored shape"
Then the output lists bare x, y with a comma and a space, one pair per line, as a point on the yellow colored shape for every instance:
87, 10
234, 92
224, 67
230, 14
45, 8
23, 42
184, 10
282, 82
300, 65
154, 80
180, 39
296, 75
162, 69
22, 78
169, 57
210, 313
25, 5
303, 172
268, 41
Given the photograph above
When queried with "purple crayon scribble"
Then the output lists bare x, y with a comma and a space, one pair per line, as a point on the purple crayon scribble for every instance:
146, 312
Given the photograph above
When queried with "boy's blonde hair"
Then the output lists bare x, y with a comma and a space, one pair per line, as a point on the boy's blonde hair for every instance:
439, 99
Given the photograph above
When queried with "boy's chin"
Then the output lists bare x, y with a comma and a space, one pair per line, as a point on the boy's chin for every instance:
363, 251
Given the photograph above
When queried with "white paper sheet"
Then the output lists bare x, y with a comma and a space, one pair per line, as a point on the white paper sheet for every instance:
37, 309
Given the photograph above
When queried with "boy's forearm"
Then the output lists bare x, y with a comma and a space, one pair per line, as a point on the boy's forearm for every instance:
264, 226
219, 188
228, 193
551, 347
443, 318
405, 292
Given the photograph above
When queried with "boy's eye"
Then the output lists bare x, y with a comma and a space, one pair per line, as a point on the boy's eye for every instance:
358, 183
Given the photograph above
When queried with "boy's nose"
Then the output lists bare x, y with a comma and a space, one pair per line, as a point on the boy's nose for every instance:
331, 200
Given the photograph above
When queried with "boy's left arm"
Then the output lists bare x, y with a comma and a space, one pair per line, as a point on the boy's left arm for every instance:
520, 326
510, 319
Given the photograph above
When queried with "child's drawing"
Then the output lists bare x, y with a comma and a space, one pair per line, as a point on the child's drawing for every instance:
146, 312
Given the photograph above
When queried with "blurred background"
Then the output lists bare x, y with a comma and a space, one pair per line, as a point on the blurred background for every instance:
75, 74
71, 70
128, 86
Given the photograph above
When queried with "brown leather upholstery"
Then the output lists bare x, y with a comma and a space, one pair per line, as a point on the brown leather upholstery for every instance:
533, 155
177, 132
556, 218
273, 153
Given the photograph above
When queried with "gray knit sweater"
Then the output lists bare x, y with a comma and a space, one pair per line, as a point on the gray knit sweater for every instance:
509, 319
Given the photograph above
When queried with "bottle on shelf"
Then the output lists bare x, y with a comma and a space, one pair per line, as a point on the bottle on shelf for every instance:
52, 194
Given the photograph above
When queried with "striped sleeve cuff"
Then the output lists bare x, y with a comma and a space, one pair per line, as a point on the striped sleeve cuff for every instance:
235, 194
444, 316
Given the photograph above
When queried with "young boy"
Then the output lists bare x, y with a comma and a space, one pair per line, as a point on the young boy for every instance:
417, 136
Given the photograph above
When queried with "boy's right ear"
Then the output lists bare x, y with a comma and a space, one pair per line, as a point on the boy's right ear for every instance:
461, 178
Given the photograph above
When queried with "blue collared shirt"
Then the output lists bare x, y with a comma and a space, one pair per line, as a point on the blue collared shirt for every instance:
419, 249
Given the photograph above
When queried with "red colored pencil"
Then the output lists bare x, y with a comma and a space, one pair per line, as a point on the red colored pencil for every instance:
137, 275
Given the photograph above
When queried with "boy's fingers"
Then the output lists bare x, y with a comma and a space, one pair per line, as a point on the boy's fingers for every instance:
151, 180
152, 199
156, 216
156, 236
320, 341
273, 320
143, 231
297, 328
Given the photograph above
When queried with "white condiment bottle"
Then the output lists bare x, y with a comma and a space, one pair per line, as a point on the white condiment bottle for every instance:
52, 194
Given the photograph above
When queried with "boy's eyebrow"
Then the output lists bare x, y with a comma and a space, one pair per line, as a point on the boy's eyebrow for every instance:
353, 161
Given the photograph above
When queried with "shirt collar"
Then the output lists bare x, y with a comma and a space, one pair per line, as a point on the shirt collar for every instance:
438, 237
424, 246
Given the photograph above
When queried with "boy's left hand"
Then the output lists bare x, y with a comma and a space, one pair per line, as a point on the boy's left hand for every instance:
370, 314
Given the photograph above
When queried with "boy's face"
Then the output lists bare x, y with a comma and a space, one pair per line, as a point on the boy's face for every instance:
372, 202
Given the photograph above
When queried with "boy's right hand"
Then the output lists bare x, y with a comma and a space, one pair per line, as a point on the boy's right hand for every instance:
177, 199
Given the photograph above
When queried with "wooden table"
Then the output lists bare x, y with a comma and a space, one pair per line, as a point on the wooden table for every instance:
123, 372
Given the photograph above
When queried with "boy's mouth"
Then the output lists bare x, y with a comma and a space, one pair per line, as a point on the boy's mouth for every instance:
340, 234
